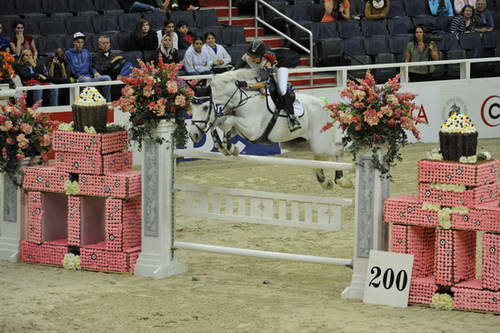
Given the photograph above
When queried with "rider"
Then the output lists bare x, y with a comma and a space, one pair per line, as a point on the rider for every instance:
265, 67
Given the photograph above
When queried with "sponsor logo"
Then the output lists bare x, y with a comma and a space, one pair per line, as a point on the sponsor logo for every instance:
422, 115
454, 104
490, 111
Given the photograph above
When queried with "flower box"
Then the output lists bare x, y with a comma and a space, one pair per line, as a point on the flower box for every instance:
44, 178
491, 262
407, 209
470, 296
468, 198
422, 289
122, 185
74, 228
477, 174
482, 218
49, 253
94, 164
95, 257
455, 256
100, 144
35, 213
418, 241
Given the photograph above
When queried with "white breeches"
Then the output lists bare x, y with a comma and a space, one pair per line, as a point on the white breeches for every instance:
282, 80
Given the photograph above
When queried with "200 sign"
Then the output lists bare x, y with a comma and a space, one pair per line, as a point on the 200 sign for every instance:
388, 278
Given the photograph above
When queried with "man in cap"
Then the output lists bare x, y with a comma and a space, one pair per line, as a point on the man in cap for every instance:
80, 64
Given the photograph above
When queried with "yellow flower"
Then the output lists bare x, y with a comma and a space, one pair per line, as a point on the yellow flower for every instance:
442, 302
65, 127
71, 262
89, 129
72, 187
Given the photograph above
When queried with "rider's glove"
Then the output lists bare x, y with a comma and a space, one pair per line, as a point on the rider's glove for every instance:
242, 84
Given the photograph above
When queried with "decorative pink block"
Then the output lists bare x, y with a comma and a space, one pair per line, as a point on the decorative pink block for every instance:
90, 143
458, 173
74, 227
93, 164
469, 296
406, 209
44, 178
469, 198
422, 289
114, 237
491, 262
95, 257
122, 185
50, 253
455, 259
35, 213
481, 218
418, 241
127, 215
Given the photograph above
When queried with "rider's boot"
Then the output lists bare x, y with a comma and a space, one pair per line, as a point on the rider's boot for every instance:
287, 103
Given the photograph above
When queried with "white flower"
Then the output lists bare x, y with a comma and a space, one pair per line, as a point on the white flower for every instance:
463, 159
487, 155
90, 130
71, 187
442, 302
472, 159
66, 127
71, 262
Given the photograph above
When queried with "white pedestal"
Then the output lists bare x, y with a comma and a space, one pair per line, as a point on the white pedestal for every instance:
157, 258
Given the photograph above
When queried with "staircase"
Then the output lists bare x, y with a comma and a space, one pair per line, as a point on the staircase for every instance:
299, 80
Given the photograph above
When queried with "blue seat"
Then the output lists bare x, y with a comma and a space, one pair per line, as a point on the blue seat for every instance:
396, 9
52, 26
30, 8
472, 44
397, 45
354, 46
300, 12
373, 28
8, 8
383, 74
232, 35
105, 23
108, 7
56, 8
325, 30
491, 39
206, 18
78, 24
376, 45
236, 52
128, 21
83, 7
416, 7
400, 25
183, 15
329, 52
348, 29
48, 44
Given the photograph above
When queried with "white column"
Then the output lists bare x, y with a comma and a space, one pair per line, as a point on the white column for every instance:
12, 216
370, 231
157, 258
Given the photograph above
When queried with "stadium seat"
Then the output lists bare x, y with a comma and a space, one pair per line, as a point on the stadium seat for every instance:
205, 18
416, 7
444, 22
496, 18
353, 46
357, 8
359, 73
397, 45
236, 52
219, 33
56, 8
30, 8
373, 28
133, 57
317, 12
429, 22
124, 41
105, 23
400, 25
32, 26
109, 7
156, 19
325, 30
8, 9
52, 26
348, 29
301, 36
78, 24
232, 35
48, 44
300, 12
274, 19
383, 74
183, 15
453, 70
83, 7
329, 52
396, 9
491, 39
449, 42
472, 44
376, 45
128, 21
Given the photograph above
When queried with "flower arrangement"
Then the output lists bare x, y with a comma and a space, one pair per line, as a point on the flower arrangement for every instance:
71, 262
153, 93
6, 70
375, 116
24, 133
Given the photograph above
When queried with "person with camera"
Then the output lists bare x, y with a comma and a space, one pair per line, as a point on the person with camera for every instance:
422, 48
58, 72
335, 10
441, 8
465, 22
107, 63
377, 9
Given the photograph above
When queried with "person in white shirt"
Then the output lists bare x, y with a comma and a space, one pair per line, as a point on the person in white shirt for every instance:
168, 29
197, 62
219, 58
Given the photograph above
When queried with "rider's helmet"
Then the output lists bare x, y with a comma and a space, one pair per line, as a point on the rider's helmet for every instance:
256, 49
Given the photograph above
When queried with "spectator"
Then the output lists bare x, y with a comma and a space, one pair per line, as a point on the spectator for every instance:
109, 64
441, 7
463, 22
58, 68
33, 74
197, 62
188, 4
167, 51
334, 12
484, 18
460, 4
20, 41
185, 36
4, 42
168, 29
80, 64
218, 56
133, 6
144, 39
377, 9
420, 49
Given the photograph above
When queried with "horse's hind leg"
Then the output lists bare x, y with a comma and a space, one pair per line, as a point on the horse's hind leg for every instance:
328, 182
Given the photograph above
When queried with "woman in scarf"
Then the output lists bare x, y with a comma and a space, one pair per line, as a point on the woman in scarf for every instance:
167, 51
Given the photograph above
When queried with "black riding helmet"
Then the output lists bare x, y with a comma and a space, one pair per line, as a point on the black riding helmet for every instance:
256, 49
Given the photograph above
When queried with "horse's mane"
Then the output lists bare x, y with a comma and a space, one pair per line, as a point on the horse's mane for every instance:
220, 81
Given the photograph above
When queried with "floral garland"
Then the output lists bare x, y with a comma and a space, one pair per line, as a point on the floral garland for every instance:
444, 213
435, 155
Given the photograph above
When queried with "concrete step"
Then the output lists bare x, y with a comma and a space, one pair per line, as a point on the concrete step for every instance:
212, 3
250, 32
241, 21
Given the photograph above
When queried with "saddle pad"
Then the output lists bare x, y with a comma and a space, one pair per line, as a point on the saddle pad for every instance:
298, 108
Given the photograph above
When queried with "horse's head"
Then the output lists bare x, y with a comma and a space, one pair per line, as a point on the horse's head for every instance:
202, 112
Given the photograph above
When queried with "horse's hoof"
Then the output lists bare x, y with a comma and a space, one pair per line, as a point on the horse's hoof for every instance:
236, 151
343, 182
327, 185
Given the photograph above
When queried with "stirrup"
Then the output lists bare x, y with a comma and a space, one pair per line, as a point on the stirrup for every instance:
293, 124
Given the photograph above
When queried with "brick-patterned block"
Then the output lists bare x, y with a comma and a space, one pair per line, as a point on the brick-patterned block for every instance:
407, 209
470, 296
93, 164
50, 253
455, 256
491, 262
418, 241
482, 218
44, 178
95, 257
79, 142
122, 185
114, 237
74, 227
468, 198
422, 289
123, 223
35, 213
133, 255
477, 174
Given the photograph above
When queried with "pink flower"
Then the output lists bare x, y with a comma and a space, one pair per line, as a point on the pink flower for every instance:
358, 95
45, 140
20, 156
7, 126
326, 127
171, 87
128, 91
23, 142
346, 93
148, 91
372, 117
26, 128
392, 99
180, 100
10, 141
359, 105
386, 110
392, 122
394, 83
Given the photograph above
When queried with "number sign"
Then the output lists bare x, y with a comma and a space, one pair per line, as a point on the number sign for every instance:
388, 278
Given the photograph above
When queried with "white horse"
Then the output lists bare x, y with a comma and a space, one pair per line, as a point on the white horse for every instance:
248, 113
